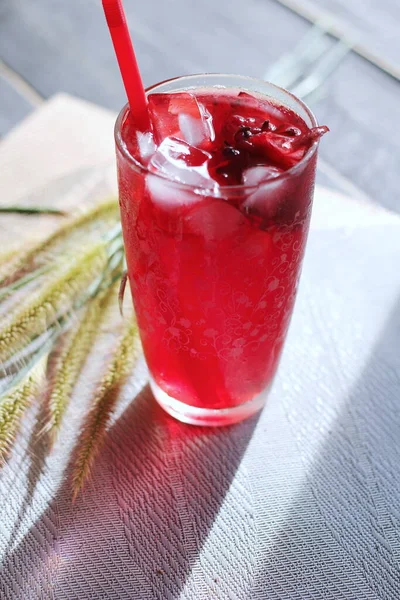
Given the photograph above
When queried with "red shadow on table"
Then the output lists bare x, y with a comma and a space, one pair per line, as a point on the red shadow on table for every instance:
138, 528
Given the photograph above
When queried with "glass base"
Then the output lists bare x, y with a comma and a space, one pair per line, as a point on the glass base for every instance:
212, 417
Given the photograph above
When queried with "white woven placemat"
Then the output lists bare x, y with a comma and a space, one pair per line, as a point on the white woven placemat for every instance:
302, 502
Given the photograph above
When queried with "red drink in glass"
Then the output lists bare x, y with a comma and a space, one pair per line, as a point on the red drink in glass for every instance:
215, 208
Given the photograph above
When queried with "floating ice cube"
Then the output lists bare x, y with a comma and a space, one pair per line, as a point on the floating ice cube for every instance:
192, 129
146, 145
254, 175
196, 131
183, 102
266, 198
176, 162
207, 121
167, 195
214, 219
180, 115
179, 161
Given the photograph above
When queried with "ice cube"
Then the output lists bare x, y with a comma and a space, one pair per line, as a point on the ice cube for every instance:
146, 145
207, 126
179, 161
166, 195
265, 200
180, 115
215, 219
197, 131
192, 129
254, 175
183, 102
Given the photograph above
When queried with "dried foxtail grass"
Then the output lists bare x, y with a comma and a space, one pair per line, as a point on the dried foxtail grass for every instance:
24, 261
13, 405
53, 280
56, 296
104, 401
70, 360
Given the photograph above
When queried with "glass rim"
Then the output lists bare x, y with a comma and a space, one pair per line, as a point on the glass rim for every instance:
136, 165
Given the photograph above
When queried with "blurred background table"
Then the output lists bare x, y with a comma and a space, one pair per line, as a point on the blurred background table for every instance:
51, 45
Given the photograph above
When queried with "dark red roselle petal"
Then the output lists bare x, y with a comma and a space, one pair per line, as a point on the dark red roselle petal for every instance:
284, 147
232, 125
271, 147
268, 126
281, 152
289, 130
279, 116
226, 168
317, 132
313, 134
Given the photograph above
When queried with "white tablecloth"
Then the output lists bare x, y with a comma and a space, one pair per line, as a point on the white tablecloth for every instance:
300, 502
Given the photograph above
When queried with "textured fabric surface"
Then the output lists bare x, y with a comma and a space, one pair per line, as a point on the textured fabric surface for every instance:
300, 502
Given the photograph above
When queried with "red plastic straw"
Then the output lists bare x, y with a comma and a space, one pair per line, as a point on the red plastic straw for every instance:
128, 66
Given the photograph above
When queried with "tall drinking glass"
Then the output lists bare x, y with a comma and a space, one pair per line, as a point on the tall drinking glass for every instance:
214, 283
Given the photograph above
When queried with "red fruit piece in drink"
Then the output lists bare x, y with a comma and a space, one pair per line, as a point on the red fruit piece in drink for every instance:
311, 135
232, 125
272, 147
226, 166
